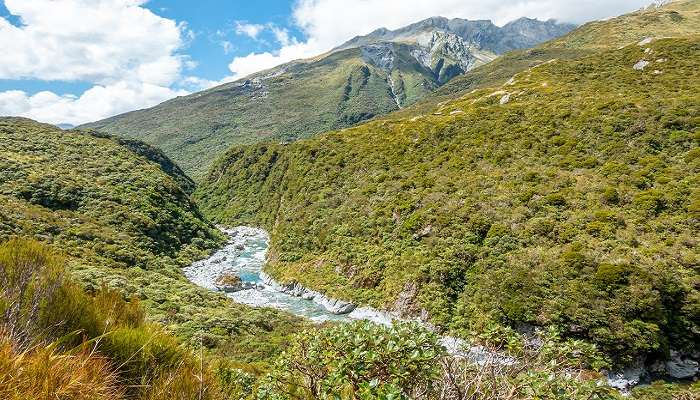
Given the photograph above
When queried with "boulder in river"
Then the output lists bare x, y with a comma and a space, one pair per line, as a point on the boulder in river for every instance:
230, 283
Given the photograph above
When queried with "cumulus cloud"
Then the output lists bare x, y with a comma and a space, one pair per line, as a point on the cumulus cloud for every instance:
250, 30
129, 53
328, 23
96, 103
100, 41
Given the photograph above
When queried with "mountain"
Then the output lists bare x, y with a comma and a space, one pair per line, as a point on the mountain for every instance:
483, 34
117, 210
564, 195
363, 78
674, 18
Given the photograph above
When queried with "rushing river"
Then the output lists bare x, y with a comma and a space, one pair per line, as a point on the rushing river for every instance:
244, 256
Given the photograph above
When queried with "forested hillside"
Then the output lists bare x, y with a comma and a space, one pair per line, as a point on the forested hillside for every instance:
566, 197
122, 221
366, 77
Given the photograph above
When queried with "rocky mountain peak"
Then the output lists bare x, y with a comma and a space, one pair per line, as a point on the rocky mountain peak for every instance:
483, 34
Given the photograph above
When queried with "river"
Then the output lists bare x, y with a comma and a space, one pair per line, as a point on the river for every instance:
244, 255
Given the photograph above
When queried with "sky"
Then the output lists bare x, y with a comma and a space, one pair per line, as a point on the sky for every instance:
77, 61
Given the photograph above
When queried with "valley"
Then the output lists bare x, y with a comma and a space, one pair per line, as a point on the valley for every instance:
449, 210
363, 78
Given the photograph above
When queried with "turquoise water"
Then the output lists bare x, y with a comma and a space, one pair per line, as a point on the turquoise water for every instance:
245, 257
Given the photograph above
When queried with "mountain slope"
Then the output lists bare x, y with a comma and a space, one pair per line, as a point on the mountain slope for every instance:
568, 197
676, 18
372, 76
122, 221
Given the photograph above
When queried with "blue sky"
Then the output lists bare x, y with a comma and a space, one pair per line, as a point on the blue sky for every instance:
212, 21
76, 61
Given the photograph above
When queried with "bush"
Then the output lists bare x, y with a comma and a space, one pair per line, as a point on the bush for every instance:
58, 342
357, 360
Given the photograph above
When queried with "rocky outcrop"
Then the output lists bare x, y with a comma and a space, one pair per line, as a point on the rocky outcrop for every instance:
681, 366
518, 34
678, 366
337, 307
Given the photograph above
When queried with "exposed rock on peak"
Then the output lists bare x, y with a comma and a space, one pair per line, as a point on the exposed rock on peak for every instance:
521, 33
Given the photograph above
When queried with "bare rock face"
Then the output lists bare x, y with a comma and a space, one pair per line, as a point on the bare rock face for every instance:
406, 303
681, 367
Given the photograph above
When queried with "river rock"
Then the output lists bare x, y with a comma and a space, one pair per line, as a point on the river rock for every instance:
337, 307
230, 283
627, 378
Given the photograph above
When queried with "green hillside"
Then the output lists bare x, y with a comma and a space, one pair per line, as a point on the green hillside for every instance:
567, 197
678, 18
122, 221
310, 97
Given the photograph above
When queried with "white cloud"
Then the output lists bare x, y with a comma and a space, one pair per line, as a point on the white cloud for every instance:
250, 30
227, 46
100, 41
132, 55
129, 53
96, 103
328, 23
282, 35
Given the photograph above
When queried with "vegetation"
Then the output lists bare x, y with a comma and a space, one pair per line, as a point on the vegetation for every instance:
307, 97
58, 342
566, 197
678, 18
366, 361
123, 222
310, 97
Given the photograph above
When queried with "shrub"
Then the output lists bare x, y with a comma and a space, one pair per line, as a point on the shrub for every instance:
357, 360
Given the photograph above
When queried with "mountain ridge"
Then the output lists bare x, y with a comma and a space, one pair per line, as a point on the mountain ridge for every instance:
524, 32
306, 97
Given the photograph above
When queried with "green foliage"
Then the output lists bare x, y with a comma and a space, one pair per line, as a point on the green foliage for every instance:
665, 391
308, 98
363, 361
497, 211
108, 323
124, 222
358, 360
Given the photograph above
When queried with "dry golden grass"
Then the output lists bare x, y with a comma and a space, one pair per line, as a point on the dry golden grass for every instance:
45, 373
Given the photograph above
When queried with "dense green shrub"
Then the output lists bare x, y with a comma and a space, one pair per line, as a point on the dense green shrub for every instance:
119, 212
359, 360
